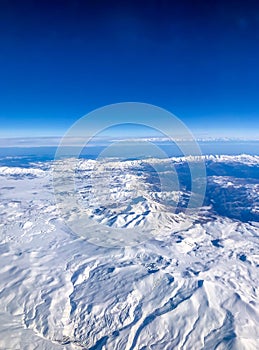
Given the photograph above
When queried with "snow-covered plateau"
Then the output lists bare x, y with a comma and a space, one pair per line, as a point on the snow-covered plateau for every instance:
191, 284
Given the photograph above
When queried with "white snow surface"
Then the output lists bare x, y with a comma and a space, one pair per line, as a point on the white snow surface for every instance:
192, 285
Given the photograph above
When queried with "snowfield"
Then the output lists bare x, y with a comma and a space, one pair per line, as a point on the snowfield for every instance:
191, 284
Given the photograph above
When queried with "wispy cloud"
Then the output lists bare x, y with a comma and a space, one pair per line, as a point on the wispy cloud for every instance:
102, 141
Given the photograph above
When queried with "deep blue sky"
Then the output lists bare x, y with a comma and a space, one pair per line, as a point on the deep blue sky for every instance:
62, 59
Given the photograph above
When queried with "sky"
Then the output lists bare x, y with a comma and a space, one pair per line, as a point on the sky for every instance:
59, 60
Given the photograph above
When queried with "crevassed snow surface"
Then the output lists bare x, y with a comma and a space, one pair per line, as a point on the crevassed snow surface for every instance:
193, 284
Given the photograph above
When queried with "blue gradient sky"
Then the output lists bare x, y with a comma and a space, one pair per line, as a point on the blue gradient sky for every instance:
61, 59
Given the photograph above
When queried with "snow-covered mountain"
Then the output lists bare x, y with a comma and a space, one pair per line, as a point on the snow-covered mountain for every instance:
190, 282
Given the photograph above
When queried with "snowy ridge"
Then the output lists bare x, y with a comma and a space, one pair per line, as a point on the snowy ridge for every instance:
242, 158
87, 164
12, 171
